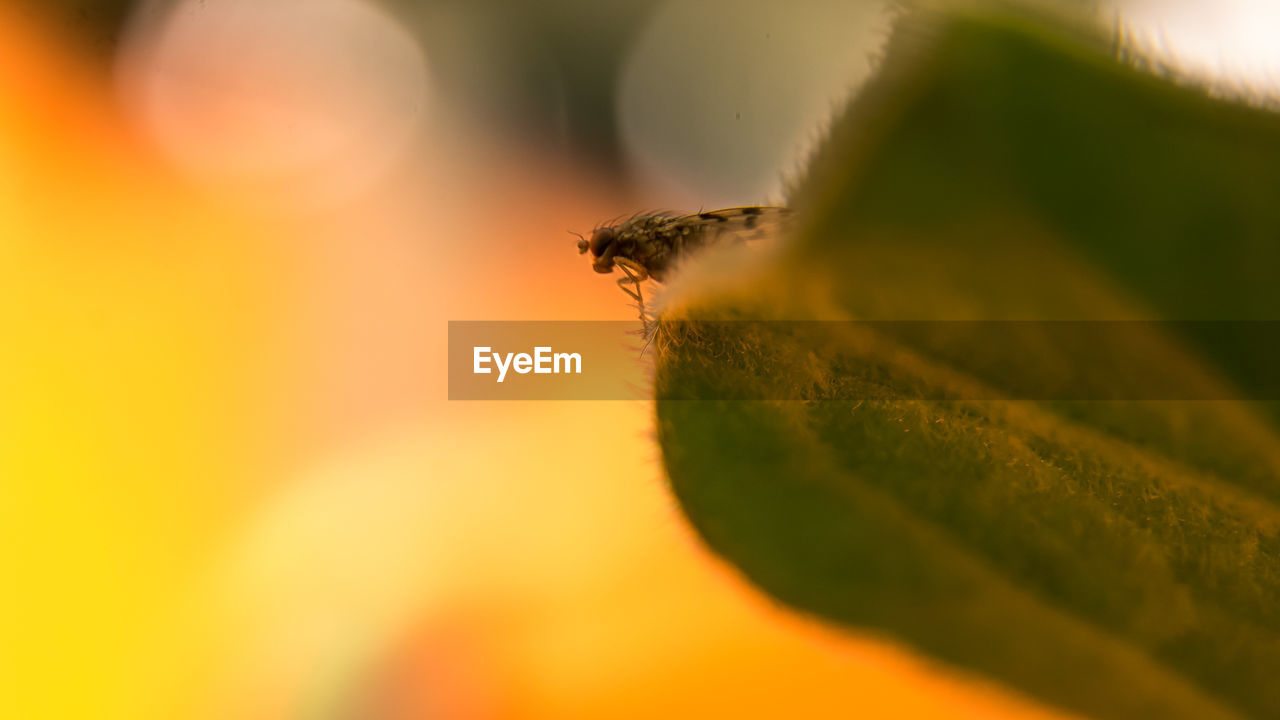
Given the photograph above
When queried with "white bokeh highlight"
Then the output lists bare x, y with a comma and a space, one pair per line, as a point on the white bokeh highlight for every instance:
719, 100
1231, 44
294, 101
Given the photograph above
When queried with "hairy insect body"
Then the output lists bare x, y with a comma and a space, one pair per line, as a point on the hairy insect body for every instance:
653, 242
649, 246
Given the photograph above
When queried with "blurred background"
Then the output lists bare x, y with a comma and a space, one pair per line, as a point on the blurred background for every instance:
232, 233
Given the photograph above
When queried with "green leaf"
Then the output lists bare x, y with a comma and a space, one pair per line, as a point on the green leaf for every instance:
980, 488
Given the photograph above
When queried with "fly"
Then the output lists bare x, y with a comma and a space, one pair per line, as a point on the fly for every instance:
650, 245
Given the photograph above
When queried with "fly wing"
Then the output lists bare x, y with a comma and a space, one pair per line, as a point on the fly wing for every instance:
730, 227
730, 245
741, 223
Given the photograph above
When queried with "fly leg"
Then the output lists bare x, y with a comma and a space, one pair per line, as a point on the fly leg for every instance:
635, 274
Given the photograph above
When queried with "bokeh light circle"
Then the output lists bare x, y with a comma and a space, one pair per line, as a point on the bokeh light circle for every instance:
292, 100
718, 100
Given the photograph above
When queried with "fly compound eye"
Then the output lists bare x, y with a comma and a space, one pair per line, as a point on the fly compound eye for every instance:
601, 240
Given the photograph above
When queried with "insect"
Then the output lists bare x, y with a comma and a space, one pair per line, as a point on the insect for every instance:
650, 245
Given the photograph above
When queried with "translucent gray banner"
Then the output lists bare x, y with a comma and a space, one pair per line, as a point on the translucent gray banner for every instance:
854, 360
